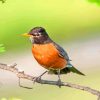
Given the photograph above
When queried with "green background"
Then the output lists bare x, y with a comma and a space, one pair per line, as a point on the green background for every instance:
64, 20
67, 22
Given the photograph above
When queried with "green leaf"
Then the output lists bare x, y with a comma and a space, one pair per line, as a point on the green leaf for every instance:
2, 48
1, 45
95, 1
15, 99
3, 1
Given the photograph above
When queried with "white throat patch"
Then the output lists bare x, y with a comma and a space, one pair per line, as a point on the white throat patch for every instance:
31, 39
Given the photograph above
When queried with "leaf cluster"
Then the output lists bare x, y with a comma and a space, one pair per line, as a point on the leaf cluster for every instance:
2, 48
95, 1
3, 1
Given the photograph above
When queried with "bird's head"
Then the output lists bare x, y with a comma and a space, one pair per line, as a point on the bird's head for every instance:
38, 35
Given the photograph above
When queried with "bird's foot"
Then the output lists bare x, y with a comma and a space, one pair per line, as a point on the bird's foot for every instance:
36, 79
59, 83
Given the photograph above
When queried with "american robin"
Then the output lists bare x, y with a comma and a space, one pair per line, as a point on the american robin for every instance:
49, 54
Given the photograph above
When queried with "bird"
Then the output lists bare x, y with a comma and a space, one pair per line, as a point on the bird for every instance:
49, 54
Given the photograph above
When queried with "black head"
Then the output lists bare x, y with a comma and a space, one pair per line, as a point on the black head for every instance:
38, 31
39, 35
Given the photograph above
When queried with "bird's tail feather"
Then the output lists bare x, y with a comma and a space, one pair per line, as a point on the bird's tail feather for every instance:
73, 69
68, 69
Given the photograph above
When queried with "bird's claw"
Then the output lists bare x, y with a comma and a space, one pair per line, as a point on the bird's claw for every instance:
36, 79
59, 83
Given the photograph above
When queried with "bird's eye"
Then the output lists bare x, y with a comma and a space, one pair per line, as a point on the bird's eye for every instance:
36, 34
41, 30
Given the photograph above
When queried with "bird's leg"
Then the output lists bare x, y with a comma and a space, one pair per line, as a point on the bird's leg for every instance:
59, 80
39, 77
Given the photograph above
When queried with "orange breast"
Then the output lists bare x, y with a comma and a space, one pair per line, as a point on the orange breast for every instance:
48, 56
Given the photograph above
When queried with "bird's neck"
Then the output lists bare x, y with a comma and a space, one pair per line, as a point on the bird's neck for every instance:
41, 40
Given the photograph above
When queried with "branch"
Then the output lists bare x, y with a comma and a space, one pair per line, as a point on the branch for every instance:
21, 74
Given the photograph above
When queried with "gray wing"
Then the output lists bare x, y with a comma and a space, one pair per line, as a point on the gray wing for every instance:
62, 52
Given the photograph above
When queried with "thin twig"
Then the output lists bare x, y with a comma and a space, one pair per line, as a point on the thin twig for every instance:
22, 85
21, 74
98, 97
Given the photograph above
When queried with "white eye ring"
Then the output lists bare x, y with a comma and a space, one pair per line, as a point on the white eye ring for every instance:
37, 34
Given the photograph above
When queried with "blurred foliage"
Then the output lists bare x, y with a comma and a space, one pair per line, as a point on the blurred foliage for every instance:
3, 1
66, 22
95, 1
2, 48
10, 99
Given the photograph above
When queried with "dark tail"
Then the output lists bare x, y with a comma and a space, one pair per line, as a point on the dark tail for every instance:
68, 69
71, 68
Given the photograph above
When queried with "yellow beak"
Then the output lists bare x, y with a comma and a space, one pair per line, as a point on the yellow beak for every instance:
26, 34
